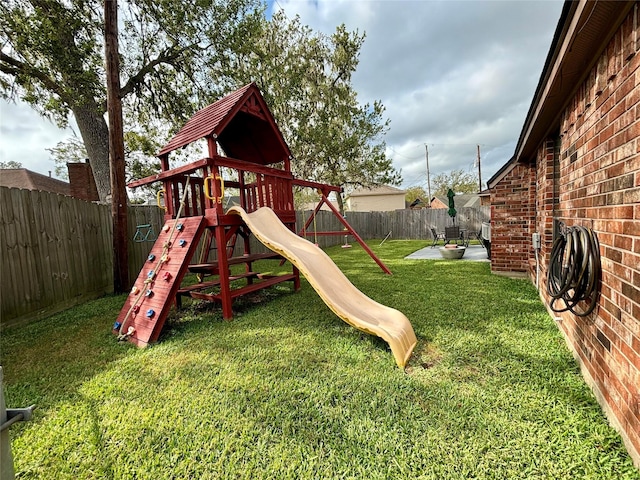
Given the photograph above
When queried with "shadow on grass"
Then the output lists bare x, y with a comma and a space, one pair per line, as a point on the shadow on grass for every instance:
47, 360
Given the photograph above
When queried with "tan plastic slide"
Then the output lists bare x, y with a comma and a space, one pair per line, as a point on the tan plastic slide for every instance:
335, 289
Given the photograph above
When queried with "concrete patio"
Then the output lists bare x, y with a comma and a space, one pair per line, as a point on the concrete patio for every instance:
474, 253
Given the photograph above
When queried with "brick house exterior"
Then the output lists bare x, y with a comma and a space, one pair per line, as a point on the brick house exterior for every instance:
577, 161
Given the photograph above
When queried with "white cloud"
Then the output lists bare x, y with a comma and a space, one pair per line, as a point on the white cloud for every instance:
25, 136
451, 74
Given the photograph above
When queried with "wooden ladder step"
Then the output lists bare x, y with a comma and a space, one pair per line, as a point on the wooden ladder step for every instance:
190, 289
212, 268
267, 282
213, 283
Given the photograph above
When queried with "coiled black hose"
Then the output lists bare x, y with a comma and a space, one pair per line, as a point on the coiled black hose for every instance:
574, 271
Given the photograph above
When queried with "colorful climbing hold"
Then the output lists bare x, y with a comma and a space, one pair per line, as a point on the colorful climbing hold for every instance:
149, 293
179, 227
182, 242
150, 313
134, 290
116, 326
136, 308
151, 257
166, 276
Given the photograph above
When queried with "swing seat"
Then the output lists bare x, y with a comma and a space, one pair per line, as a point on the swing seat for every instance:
144, 236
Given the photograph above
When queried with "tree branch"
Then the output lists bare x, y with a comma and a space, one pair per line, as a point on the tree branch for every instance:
15, 67
168, 56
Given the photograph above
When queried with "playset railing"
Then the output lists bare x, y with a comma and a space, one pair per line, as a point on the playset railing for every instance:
257, 186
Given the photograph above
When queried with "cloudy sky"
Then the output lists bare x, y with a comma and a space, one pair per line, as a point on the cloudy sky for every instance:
451, 74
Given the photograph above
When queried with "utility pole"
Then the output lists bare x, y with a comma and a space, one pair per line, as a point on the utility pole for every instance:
116, 149
426, 147
479, 174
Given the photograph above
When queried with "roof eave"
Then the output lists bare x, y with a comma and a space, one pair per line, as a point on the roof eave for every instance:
583, 31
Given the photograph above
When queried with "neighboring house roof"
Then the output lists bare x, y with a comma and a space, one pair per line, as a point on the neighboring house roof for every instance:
417, 202
462, 200
382, 190
583, 31
26, 179
241, 123
467, 200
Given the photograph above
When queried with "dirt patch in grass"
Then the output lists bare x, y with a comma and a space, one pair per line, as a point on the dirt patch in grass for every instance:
425, 356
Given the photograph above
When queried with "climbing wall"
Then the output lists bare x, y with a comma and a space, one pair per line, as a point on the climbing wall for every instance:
147, 306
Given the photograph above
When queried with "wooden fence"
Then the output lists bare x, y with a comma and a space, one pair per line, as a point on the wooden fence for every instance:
57, 251
413, 224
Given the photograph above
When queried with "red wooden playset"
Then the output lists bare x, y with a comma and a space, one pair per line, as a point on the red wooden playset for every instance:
256, 164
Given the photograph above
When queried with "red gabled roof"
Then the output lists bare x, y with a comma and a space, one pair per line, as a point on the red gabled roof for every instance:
241, 123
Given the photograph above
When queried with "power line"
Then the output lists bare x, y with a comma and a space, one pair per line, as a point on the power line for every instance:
418, 178
404, 156
451, 144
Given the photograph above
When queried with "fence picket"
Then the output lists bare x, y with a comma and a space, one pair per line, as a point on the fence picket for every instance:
25, 293
8, 244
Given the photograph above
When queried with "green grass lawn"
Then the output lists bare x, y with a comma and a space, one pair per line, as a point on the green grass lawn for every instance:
287, 390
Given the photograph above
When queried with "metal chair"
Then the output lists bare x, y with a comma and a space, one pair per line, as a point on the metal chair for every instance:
436, 236
451, 234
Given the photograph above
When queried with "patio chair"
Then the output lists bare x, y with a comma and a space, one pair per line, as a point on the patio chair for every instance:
436, 236
451, 234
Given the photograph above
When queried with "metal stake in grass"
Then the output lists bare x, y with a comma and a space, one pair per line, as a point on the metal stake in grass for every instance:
385, 238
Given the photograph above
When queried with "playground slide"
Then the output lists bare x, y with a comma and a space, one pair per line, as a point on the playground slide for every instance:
335, 289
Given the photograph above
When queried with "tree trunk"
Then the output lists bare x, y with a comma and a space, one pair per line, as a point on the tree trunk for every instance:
340, 203
95, 135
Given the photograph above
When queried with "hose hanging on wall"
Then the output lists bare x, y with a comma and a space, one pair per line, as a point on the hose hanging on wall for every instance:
574, 270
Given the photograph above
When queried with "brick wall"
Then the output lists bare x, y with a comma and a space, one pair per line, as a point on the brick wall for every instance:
593, 180
512, 220
83, 185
